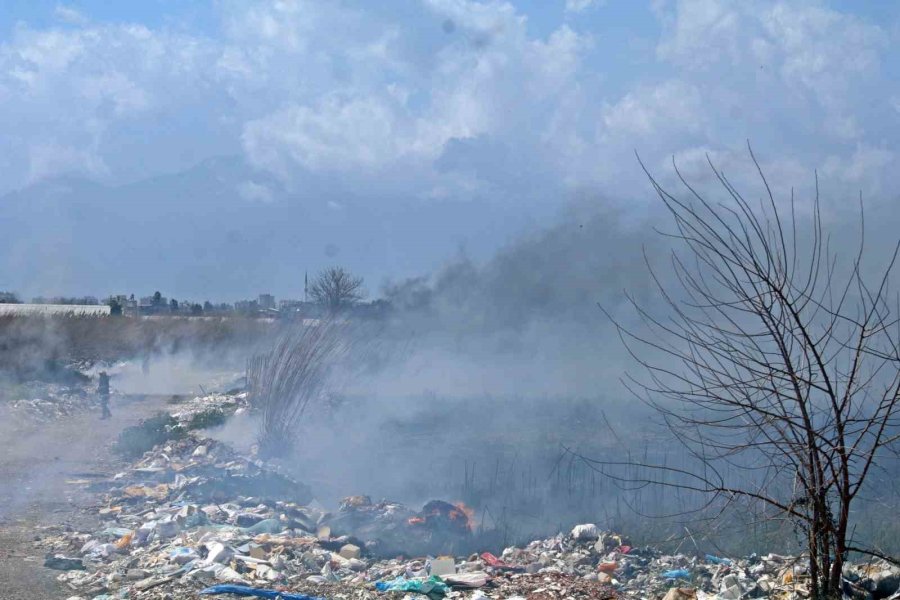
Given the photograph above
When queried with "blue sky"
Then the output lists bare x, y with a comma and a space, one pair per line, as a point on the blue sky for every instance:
505, 110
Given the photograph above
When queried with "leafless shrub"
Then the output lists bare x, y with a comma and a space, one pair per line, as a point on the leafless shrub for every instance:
776, 367
284, 381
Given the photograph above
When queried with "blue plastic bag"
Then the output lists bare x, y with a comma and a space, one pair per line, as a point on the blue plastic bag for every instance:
433, 587
676, 574
242, 590
718, 561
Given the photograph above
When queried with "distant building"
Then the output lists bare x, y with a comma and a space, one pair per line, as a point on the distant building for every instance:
298, 308
247, 307
290, 305
266, 302
124, 301
151, 305
128, 303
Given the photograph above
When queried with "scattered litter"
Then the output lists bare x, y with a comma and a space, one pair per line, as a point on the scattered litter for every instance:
193, 517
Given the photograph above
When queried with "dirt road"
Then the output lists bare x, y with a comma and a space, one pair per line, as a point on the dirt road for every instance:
38, 468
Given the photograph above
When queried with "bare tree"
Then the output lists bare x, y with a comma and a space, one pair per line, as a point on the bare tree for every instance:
776, 366
336, 289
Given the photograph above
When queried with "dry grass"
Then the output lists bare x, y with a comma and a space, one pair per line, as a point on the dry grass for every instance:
284, 381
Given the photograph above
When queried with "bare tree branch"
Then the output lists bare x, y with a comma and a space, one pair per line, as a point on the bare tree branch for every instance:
776, 362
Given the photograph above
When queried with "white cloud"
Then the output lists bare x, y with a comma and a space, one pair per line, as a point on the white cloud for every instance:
802, 52
340, 134
439, 100
669, 106
385, 110
49, 158
69, 15
862, 166
338, 88
701, 33
806, 84
255, 192
557, 61
576, 6
81, 84
495, 18
124, 95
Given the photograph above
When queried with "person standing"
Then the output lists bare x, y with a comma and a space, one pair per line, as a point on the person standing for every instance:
103, 391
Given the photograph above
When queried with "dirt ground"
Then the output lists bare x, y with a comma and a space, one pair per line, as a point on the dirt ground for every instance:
38, 468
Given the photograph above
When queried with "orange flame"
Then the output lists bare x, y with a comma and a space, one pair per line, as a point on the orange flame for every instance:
458, 513
463, 512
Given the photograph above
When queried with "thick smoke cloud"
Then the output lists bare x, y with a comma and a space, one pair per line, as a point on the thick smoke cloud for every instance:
492, 366
504, 363
526, 322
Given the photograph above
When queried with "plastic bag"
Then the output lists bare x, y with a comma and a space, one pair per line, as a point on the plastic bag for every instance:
271, 526
433, 587
677, 574
242, 590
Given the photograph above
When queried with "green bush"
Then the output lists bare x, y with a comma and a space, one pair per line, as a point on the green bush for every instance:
135, 440
213, 417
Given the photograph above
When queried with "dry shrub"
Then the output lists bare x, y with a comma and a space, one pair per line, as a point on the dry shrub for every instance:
284, 381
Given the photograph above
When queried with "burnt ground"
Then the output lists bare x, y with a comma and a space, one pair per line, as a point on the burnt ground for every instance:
41, 471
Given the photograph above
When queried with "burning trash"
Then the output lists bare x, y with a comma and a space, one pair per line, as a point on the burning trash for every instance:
438, 515
393, 529
192, 516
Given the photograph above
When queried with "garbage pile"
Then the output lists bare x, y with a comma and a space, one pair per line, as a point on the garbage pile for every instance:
40, 401
48, 391
646, 572
192, 518
211, 410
